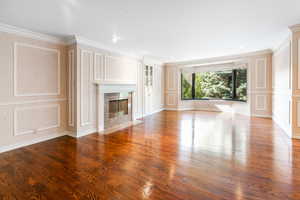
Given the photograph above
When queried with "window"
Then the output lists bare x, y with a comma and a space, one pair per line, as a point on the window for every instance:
226, 85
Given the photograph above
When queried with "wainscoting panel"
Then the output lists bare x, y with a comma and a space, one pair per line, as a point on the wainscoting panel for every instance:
298, 114
261, 102
171, 99
171, 78
33, 119
299, 64
98, 67
261, 73
85, 88
71, 88
36, 70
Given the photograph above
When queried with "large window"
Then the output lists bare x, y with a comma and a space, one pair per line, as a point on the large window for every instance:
226, 85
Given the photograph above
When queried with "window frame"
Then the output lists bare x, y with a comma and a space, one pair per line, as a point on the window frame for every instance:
234, 84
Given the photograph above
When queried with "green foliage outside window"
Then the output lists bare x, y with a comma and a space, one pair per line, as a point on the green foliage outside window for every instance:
228, 85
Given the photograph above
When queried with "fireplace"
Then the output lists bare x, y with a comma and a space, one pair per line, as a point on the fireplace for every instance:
116, 105
117, 109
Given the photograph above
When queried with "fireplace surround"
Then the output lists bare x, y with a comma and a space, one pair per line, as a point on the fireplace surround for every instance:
113, 97
117, 109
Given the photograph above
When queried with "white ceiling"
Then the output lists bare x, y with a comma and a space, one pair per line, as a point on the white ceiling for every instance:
168, 29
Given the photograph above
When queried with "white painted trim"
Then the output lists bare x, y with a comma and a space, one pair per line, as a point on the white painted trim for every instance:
101, 67
265, 102
174, 71
171, 109
167, 98
71, 88
15, 122
298, 63
81, 133
296, 137
265, 72
298, 114
295, 28
115, 82
263, 116
34, 141
98, 45
33, 101
283, 44
221, 58
16, 44
151, 113
30, 34
82, 123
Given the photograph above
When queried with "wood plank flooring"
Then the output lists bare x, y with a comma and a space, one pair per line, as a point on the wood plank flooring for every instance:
187, 155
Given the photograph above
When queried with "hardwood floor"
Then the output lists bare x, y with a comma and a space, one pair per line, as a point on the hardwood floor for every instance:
172, 155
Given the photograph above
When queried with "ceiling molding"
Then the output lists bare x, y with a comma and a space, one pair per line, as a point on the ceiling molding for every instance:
98, 45
222, 58
30, 34
295, 28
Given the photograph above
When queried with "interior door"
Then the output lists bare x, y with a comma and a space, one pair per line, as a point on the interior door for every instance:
148, 84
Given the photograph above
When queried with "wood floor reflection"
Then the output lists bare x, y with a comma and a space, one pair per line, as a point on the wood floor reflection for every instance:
188, 155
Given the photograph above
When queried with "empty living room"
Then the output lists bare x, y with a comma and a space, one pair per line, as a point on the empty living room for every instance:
149, 100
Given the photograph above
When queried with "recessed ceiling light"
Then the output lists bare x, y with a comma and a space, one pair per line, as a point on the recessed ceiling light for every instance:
115, 38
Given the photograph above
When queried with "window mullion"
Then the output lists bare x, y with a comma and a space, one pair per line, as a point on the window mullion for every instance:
234, 84
193, 85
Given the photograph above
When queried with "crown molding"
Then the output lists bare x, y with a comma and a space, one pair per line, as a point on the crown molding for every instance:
30, 34
295, 28
84, 41
222, 58
282, 44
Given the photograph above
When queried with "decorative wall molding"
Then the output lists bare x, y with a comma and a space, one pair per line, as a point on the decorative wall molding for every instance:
258, 106
171, 99
33, 101
71, 88
258, 72
99, 68
111, 62
221, 58
298, 63
298, 114
171, 78
295, 28
30, 34
18, 109
16, 44
98, 45
82, 106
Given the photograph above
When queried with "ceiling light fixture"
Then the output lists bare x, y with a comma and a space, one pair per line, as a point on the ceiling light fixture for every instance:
115, 38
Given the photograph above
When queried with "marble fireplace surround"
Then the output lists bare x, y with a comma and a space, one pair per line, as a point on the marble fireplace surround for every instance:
117, 87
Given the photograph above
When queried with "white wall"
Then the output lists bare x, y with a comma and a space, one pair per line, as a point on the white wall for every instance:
282, 86
33, 90
93, 64
259, 103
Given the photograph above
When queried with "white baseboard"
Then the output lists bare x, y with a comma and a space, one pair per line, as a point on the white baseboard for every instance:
296, 137
263, 116
34, 141
82, 133
156, 111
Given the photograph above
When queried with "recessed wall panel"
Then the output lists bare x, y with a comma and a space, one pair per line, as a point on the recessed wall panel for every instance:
32, 119
86, 81
36, 70
261, 73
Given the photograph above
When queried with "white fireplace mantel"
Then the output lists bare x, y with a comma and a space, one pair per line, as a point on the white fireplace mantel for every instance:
113, 87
